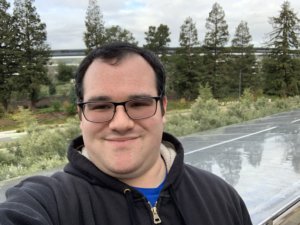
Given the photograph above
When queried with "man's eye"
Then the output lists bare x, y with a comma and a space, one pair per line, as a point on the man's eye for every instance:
100, 106
140, 103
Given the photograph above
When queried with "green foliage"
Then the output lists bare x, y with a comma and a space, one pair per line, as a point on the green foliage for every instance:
33, 51
26, 119
70, 107
8, 63
56, 105
117, 34
210, 113
285, 34
157, 39
205, 92
2, 112
215, 58
180, 125
42, 148
6, 157
242, 36
52, 89
94, 23
187, 63
64, 72
217, 29
8, 171
64, 89
244, 65
281, 75
206, 113
188, 37
178, 104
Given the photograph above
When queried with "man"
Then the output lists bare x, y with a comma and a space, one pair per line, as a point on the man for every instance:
123, 169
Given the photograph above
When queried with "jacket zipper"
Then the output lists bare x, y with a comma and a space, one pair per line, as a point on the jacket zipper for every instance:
156, 218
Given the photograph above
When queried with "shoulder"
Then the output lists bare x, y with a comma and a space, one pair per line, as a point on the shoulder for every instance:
42, 188
205, 192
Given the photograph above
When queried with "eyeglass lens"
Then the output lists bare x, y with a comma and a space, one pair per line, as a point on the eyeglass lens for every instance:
135, 109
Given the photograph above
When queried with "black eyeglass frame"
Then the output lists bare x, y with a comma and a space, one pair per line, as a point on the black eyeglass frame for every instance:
115, 104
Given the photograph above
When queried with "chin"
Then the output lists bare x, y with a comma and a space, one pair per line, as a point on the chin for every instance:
124, 172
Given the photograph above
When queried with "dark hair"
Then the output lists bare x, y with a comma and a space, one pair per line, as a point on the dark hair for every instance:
118, 51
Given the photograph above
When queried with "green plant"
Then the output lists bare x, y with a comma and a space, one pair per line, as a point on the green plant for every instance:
25, 118
178, 104
2, 111
205, 92
56, 105
180, 125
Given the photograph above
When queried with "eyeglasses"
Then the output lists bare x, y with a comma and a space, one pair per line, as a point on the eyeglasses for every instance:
136, 109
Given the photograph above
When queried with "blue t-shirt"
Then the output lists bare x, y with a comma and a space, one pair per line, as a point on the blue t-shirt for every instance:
151, 193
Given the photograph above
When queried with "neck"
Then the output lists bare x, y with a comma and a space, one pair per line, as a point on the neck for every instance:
153, 178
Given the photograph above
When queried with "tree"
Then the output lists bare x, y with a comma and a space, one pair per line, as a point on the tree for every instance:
242, 37
188, 38
283, 79
33, 51
94, 23
116, 33
158, 39
64, 72
8, 63
217, 35
244, 63
185, 80
215, 40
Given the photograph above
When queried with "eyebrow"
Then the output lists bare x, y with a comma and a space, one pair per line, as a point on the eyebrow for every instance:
108, 99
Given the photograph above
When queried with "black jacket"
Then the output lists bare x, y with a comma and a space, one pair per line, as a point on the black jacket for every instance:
83, 195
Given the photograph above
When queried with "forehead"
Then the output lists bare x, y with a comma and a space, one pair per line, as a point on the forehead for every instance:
131, 75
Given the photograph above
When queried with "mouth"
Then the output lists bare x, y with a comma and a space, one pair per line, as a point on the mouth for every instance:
121, 140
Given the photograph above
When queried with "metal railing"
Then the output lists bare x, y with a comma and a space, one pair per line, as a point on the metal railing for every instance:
275, 216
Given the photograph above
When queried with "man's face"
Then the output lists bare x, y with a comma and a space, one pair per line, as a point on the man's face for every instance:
123, 148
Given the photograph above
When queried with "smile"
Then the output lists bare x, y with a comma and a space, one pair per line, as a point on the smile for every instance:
121, 139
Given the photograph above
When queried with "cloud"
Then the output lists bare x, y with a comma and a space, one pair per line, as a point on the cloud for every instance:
65, 18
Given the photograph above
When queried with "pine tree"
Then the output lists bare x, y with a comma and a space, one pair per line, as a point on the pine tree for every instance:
117, 34
185, 80
216, 37
188, 38
242, 37
94, 23
244, 63
33, 52
7, 61
158, 39
283, 79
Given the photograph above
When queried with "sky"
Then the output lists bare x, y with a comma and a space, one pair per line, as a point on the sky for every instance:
65, 19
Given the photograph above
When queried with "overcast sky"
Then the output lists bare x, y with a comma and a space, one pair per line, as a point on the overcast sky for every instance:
65, 18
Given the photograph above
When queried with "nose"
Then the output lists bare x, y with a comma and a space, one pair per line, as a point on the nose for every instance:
121, 122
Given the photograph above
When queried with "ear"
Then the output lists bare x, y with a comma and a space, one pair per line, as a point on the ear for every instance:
79, 113
164, 108
165, 103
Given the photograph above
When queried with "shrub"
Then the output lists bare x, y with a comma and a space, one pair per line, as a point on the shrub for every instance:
180, 125
2, 111
41, 148
56, 105
207, 113
5, 157
25, 118
69, 108
205, 92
